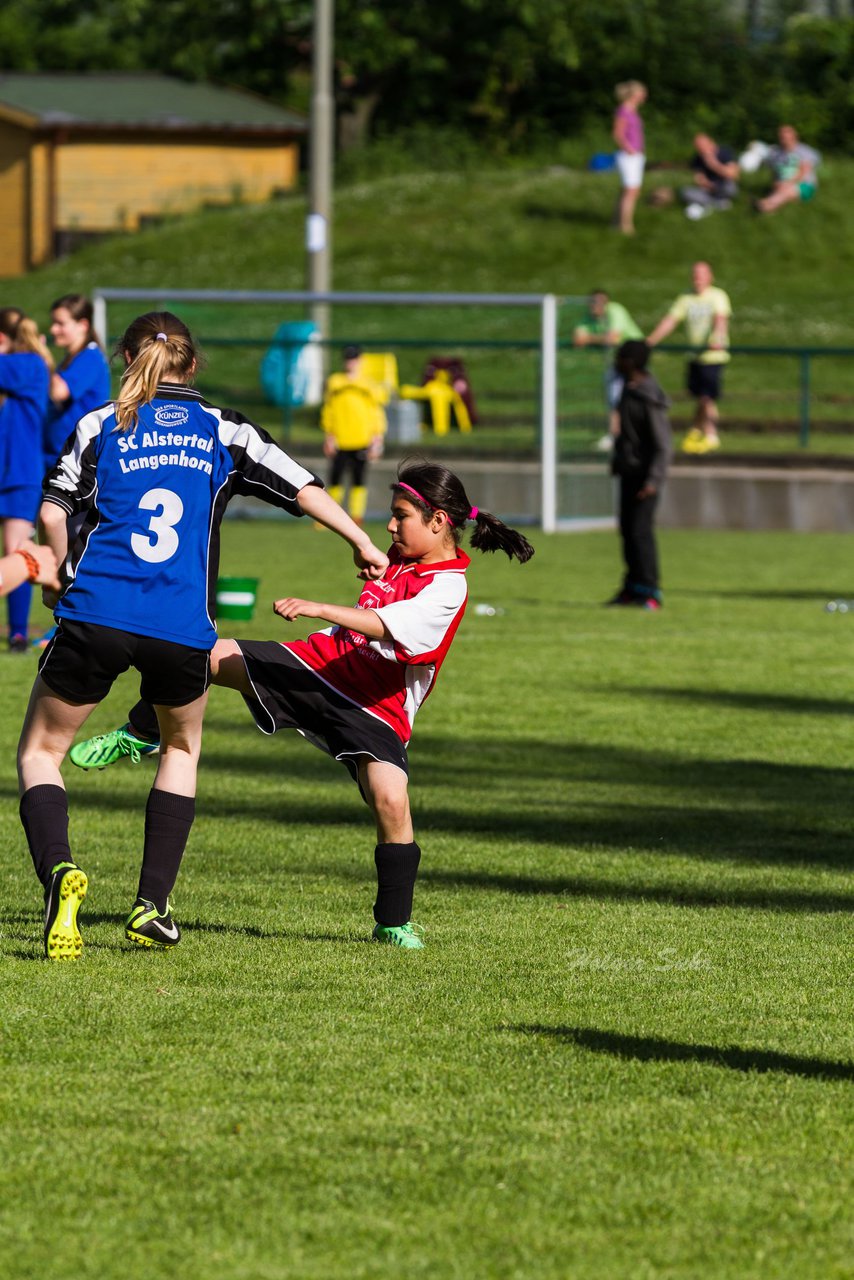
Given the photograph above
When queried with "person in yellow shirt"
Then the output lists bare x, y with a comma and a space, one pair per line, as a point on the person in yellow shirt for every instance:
353, 423
705, 313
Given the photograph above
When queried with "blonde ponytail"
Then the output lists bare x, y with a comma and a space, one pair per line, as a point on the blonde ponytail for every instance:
157, 347
28, 339
23, 333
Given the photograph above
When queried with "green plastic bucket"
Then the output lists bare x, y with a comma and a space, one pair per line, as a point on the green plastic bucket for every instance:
235, 597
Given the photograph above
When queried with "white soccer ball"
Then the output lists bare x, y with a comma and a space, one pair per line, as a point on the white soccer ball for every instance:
694, 211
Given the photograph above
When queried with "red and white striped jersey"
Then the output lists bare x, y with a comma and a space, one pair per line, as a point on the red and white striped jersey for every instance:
421, 606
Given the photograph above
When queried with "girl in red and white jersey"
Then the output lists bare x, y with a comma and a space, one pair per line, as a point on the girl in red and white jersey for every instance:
354, 688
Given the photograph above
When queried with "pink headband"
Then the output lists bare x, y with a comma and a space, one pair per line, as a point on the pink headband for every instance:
409, 489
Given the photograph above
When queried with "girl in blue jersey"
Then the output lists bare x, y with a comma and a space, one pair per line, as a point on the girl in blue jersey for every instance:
79, 383
146, 480
24, 379
81, 380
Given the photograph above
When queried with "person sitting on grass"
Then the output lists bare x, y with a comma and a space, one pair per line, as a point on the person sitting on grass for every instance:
354, 688
794, 167
714, 178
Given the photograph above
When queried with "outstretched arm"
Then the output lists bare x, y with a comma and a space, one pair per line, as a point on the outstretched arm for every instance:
662, 330
15, 568
317, 503
365, 621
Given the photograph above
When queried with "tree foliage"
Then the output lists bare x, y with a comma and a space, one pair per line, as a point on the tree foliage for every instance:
504, 71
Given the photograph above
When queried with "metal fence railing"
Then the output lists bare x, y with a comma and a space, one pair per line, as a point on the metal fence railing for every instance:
537, 396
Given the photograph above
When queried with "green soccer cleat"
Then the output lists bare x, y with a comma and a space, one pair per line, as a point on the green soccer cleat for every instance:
107, 748
399, 935
63, 896
147, 927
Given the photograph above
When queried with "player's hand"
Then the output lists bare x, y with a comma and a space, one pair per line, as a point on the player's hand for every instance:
330, 448
648, 491
370, 561
291, 608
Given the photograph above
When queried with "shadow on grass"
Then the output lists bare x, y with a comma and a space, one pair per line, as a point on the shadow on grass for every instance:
543, 212
676, 895
649, 1049
778, 703
568, 795
761, 593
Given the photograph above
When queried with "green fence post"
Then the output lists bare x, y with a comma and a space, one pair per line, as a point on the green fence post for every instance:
804, 438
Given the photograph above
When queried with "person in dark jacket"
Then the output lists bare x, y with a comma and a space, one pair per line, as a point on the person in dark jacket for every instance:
641, 457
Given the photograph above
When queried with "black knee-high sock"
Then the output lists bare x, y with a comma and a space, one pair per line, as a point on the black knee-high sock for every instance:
44, 815
168, 819
397, 867
143, 720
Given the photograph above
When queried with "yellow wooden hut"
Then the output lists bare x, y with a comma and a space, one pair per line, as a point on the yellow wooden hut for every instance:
83, 155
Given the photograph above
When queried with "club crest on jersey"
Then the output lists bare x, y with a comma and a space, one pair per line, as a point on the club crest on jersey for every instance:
171, 415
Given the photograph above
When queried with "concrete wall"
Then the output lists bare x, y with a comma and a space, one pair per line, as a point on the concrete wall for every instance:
707, 497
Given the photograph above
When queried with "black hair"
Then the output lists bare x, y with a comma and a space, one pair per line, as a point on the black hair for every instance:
635, 352
352, 352
438, 489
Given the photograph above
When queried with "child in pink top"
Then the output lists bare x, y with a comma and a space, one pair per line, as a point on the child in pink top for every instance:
628, 135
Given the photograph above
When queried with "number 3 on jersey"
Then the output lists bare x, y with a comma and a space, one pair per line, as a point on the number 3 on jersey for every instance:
161, 527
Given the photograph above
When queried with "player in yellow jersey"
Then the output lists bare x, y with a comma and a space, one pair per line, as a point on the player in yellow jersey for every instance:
353, 423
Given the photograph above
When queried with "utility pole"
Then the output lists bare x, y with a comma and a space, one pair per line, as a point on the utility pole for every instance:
318, 231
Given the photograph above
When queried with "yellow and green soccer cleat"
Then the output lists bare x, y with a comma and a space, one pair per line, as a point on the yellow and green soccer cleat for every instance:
63, 897
107, 748
148, 927
399, 935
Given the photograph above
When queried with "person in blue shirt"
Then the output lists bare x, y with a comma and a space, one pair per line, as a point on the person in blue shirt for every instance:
81, 380
24, 378
79, 383
144, 483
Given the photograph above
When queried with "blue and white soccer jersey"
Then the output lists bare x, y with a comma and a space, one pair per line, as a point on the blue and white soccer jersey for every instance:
151, 500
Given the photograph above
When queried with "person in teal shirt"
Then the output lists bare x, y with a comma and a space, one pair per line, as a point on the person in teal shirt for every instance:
607, 324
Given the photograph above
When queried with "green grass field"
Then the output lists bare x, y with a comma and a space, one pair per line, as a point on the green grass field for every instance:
626, 1050
533, 229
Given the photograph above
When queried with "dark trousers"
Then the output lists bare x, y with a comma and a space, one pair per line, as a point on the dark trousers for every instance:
637, 530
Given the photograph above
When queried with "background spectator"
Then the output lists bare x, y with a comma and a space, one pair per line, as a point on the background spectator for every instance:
705, 312
714, 184
641, 457
793, 164
607, 324
629, 137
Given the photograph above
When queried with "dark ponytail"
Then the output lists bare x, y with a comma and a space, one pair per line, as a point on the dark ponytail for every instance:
431, 487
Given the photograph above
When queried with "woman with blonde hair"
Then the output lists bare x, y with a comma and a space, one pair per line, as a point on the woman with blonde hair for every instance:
25, 369
145, 481
629, 137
